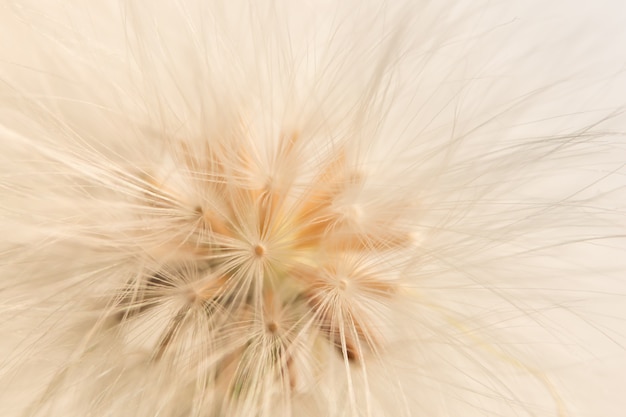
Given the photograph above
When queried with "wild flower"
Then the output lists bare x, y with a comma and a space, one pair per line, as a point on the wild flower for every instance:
280, 209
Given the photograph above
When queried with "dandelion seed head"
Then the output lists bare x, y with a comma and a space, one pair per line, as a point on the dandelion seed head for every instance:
253, 210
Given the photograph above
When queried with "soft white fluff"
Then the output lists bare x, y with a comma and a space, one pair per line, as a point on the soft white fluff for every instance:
277, 208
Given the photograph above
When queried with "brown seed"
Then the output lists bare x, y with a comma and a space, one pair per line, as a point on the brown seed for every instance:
272, 327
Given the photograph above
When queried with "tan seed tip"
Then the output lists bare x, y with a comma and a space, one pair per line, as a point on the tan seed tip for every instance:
259, 250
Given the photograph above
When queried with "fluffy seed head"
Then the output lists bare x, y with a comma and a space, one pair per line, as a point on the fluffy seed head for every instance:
252, 210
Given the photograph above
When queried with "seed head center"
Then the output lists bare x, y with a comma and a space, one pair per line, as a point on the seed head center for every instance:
259, 250
272, 327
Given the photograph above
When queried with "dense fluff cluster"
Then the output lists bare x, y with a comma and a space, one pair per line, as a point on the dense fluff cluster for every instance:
259, 276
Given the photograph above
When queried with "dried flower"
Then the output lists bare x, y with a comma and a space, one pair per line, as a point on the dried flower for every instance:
276, 209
